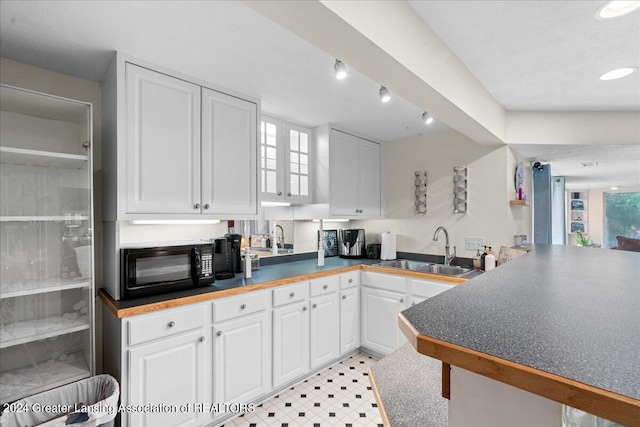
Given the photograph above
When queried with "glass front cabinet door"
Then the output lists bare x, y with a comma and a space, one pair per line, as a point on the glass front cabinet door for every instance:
46, 244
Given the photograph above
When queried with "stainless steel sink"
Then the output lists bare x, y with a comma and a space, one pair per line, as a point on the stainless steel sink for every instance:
405, 264
447, 270
425, 267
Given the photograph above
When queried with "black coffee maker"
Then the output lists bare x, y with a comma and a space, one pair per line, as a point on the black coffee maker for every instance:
222, 267
235, 241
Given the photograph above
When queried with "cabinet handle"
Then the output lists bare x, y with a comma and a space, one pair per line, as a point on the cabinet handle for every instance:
325, 286
219, 333
350, 280
207, 206
243, 306
196, 206
344, 297
201, 339
401, 299
357, 210
305, 308
292, 294
279, 193
172, 324
289, 194
315, 305
412, 304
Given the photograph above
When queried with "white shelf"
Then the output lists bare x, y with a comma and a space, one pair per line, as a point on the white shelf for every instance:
37, 329
43, 218
19, 383
20, 156
55, 284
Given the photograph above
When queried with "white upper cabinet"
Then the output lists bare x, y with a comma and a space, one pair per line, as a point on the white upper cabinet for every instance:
228, 154
286, 161
163, 143
173, 148
350, 174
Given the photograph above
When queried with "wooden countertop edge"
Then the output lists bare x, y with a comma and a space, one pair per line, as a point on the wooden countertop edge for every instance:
612, 406
146, 308
376, 394
416, 274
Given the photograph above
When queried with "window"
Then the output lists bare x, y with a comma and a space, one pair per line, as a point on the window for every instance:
621, 217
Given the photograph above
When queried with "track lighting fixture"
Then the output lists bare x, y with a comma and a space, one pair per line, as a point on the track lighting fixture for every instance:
385, 96
340, 69
426, 117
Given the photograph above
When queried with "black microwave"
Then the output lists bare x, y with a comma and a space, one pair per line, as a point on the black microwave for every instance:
157, 270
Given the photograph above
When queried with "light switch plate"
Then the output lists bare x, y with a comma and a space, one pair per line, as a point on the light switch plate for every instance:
473, 243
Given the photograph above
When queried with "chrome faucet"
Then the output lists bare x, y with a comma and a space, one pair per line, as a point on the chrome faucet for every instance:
447, 258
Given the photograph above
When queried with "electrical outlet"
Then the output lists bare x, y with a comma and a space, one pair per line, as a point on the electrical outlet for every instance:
473, 243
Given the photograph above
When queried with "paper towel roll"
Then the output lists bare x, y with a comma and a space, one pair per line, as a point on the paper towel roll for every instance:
388, 246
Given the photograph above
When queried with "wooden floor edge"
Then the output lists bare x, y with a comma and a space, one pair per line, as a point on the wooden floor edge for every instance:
376, 394
603, 403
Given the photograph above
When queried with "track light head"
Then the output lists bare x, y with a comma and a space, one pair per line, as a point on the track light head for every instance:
340, 69
426, 117
385, 95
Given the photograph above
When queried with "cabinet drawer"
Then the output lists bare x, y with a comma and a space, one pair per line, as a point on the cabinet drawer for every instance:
229, 308
350, 279
324, 285
287, 294
428, 288
149, 327
384, 281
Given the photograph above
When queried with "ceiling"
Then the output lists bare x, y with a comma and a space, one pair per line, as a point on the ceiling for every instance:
530, 55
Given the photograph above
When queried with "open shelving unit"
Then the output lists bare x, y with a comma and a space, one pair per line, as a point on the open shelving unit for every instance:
46, 243
577, 217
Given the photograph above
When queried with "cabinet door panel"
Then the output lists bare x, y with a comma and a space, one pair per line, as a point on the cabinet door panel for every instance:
163, 143
370, 179
178, 362
344, 173
349, 320
229, 153
380, 311
290, 342
242, 361
324, 329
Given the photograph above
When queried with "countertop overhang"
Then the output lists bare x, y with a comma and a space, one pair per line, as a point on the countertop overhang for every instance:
562, 322
266, 277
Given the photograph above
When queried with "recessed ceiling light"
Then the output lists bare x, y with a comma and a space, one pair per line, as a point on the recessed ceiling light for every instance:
616, 8
385, 96
427, 118
588, 164
615, 188
340, 69
618, 73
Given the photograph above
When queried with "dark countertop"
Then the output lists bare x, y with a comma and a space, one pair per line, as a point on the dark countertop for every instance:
409, 389
565, 310
269, 273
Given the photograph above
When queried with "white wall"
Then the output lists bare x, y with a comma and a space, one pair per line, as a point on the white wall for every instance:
490, 186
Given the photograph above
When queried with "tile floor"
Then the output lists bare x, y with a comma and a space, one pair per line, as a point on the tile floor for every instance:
341, 395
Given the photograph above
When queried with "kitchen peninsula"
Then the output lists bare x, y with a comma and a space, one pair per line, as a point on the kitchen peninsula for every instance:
562, 322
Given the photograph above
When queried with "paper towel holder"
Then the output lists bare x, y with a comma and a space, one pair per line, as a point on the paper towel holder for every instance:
421, 192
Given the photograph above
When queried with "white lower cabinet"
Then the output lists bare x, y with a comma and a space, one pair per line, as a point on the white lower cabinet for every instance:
380, 311
242, 348
180, 362
290, 332
349, 312
324, 320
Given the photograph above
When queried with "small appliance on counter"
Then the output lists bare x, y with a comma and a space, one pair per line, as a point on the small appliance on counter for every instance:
373, 250
236, 248
147, 271
255, 261
222, 266
330, 242
351, 243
